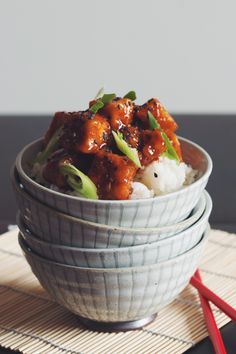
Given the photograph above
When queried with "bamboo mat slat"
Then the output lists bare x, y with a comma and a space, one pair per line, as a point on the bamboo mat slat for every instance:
31, 322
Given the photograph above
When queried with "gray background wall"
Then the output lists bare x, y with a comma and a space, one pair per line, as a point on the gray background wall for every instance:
56, 54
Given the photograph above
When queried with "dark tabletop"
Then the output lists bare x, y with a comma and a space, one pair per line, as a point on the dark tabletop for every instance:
216, 133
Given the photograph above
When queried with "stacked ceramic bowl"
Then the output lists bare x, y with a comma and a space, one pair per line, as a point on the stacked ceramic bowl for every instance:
113, 263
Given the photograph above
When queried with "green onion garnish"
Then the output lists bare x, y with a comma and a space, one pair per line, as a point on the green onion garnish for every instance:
96, 106
101, 101
122, 145
78, 181
99, 94
153, 122
108, 97
51, 146
170, 152
131, 95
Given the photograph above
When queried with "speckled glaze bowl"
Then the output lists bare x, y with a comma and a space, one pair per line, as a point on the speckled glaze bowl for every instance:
153, 212
115, 295
58, 228
133, 256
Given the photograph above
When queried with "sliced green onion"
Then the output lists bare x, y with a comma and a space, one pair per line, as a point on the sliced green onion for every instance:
51, 146
122, 145
96, 106
131, 95
153, 122
79, 182
99, 94
170, 152
101, 101
108, 97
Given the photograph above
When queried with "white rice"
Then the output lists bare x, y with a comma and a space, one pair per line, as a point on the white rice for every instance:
140, 191
165, 176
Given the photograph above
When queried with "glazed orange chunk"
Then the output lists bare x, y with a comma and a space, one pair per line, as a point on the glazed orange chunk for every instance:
131, 135
113, 175
159, 112
119, 112
87, 134
152, 146
59, 119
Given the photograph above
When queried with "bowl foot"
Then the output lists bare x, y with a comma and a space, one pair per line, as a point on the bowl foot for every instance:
117, 326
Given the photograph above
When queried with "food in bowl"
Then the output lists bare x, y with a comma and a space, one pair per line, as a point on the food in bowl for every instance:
114, 150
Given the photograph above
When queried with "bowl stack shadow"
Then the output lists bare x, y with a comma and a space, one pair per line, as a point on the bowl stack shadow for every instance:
115, 264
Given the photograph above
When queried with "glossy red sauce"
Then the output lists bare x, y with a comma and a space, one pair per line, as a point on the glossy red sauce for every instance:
87, 142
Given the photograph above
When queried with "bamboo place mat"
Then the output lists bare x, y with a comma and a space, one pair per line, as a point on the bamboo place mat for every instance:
32, 323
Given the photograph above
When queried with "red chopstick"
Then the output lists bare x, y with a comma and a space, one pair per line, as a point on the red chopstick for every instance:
212, 328
211, 296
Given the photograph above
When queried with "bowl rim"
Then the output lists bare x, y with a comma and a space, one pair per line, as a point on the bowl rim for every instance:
161, 242
28, 251
168, 228
102, 201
